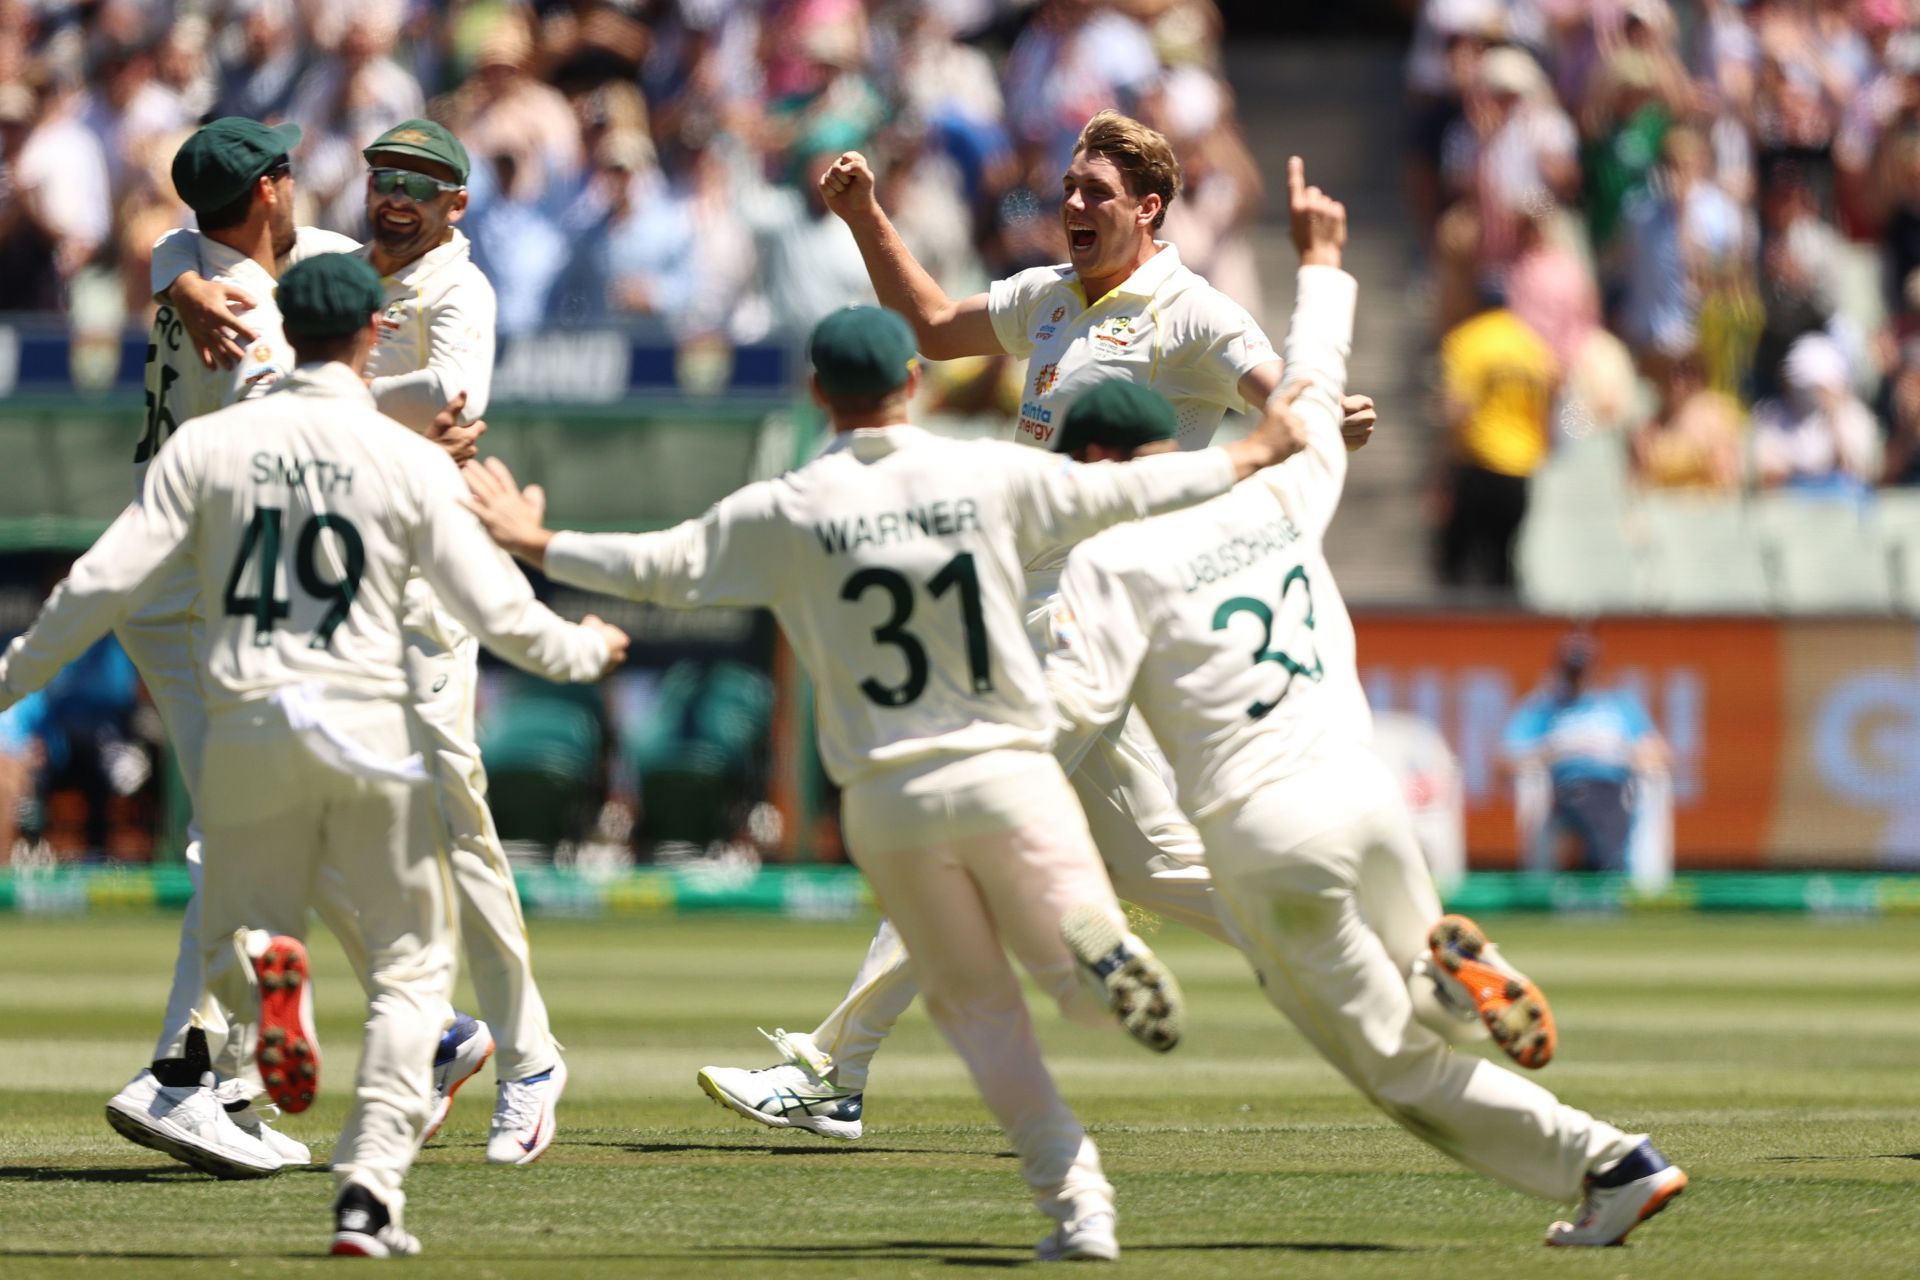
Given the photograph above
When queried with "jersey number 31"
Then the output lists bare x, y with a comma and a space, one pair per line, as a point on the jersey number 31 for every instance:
959, 572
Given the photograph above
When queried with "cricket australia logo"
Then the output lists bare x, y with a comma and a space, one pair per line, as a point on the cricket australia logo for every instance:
1115, 333
1046, 379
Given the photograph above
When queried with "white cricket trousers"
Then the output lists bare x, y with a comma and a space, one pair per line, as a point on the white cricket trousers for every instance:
275, 818
493, 932
1152, 855
1322, 878
163, 649
972, 859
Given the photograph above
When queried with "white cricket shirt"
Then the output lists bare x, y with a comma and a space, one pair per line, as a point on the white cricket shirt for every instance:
179, 387
436, 333
893, 563
1163, 327
302, 513
1222, 623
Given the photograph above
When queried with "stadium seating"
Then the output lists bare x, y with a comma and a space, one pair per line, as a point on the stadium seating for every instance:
1823, 555
1897, 515
1574, 554
542, 748
1703, 555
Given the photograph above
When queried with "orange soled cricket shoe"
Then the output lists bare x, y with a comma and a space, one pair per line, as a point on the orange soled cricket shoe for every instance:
288, 1054
1509, 1003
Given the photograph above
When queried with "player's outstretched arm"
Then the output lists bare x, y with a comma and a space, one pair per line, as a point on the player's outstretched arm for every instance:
732, 555
493, 599
132, 559
459, 361
210, 312
944, 328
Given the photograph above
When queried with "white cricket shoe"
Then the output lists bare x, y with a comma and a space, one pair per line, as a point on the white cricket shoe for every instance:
788, 1096
251, 1115
363, 1228
1088, 1239
523, 1117
190, 1124
1619, 1199
1122, 970
463, 1050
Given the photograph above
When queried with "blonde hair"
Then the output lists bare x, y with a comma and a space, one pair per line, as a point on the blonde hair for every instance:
1143, 156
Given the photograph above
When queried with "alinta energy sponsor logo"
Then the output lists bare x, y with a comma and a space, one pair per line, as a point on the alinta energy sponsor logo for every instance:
1044, 333
1045, 380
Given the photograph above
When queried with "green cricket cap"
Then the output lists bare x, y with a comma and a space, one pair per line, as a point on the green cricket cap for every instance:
1117, 414
862, 351
329, 296
215, 166
424, 139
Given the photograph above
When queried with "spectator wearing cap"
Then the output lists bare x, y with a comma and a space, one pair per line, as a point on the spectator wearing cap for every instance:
1816, 437
1591, 742
1524, 151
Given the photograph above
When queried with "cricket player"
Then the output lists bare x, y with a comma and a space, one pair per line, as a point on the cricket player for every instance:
1223, 627
235, 174
306, 513
1121, 309
893, 563
436, 348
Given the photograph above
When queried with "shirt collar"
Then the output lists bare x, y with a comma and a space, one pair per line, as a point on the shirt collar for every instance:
869, 443
326, 378
1146, 279
458, 249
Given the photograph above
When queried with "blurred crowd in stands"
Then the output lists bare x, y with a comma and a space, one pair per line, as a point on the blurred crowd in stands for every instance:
647, 162
1694, 226
631, 157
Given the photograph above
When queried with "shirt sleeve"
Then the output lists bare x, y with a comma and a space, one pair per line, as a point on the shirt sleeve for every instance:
487, 593
1010, 304
133, 559
1524, 730
1228, 346
1319, 339
1059, 502
459, 358
311, 242
174, 254
1097, 643
729, 556
268, 358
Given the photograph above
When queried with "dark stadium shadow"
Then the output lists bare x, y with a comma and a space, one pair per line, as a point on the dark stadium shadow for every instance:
759, 1149
970, 1253
54, 1173
1888, 1155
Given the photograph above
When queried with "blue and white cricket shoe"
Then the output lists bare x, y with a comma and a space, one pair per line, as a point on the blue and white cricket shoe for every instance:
793, 1095
463, 1050
523, 1116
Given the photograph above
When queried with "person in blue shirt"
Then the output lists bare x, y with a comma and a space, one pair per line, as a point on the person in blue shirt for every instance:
21, 756
1591, 742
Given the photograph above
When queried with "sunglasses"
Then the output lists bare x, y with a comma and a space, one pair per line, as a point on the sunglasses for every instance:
279, 169
417, 187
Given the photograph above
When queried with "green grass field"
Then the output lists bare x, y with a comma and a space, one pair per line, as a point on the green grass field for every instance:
1775, 1059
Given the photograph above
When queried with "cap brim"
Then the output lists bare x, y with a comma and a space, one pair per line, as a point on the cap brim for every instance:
409, 149
288, 134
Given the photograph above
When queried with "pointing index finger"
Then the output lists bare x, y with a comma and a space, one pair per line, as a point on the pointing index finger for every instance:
1296, 178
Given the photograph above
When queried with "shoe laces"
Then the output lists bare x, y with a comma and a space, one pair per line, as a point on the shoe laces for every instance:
799, 1049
